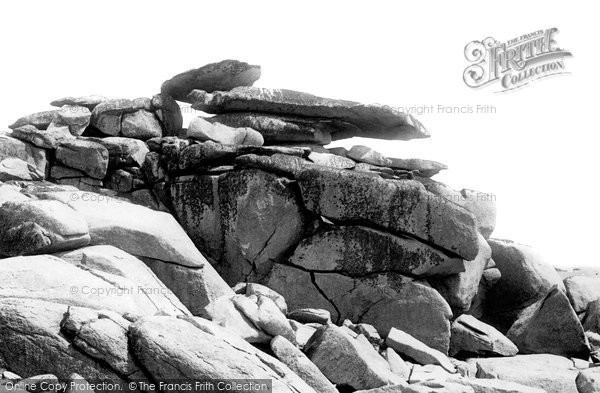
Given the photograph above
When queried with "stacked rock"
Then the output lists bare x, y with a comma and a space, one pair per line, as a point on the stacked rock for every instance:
274, 256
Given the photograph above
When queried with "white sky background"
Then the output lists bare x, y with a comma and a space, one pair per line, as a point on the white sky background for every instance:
537, 153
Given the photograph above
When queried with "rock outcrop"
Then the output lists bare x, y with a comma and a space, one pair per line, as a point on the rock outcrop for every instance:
243, 248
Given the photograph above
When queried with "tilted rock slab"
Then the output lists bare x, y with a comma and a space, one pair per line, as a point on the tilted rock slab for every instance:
406, 344
473, 336
15, 148
401, 206
223, 76
171, 348
373, 120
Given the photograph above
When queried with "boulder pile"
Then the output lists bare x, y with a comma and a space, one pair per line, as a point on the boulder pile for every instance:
243, 247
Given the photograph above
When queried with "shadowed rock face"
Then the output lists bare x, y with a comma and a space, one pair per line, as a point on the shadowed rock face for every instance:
373, 121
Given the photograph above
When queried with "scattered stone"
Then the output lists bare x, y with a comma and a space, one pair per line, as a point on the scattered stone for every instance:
403, 206
141, 125
475, 337
424, 168
374, 121
204, 130
367, 155
550, 326
90, 102
310, 315
407, 345
221, 76
292, 357
88, 156
46, 139
344, 361
35, 227
17, 169
525, 279
581, 290
40, 120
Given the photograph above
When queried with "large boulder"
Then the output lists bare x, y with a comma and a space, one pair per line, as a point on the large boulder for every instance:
245, 220
39, 120
17, 169
123, 152
171, 348
554, 374
550, 326
358, 250
40, 226
76, 118
203, 130
588, 381
401, 206
525, 279
107, 116
373, 121
383, 300
46, 139
169, 113
140, 124
407, 345
222, 76
582, 290
347, 361
299, 363
14, 148
85, 155
472, 336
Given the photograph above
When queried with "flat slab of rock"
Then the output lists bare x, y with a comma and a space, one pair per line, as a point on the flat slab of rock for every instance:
345, 361
525, 279
310, 315
374, 121
89, 102
223, 76
88, 156
40, 226
297, 361
425, 168
171, 348
331, 160
17, 169
550, 326
402, 206
367, 155
473, 336
15, 148
406, 344
39, 120
357, 250
553, 374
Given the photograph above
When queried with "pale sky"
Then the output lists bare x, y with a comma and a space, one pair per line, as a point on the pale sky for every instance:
537, 153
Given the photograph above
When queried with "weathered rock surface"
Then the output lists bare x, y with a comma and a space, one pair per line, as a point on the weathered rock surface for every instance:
140, 125
38, 226
383, 300
245, 220
203, 130
46, 139
553, 374
345, 361
310, 315
406, 344
525, 279
123, 152
472, 336
424, 168
331, 160
397, 365
367, 155
357, 250
222, 76
75, 117
374, 121
301, 365
591, 321
39, 120
403, 206
588, 381
86, 155
14, 148
252, 288
285, 129
582, 290
170, 348
169, 114
550, 326
17, 169
226, 312
107, 116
